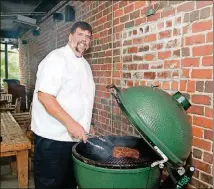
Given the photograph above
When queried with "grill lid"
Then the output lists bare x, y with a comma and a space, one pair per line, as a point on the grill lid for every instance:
160, 118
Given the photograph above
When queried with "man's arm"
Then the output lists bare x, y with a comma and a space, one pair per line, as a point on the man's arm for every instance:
53, 108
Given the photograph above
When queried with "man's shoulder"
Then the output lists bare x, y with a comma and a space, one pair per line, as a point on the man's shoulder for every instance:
59, 52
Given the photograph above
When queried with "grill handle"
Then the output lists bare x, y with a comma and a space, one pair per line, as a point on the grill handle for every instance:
114, 91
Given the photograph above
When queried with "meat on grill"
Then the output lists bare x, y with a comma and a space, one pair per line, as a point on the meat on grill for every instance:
124, 152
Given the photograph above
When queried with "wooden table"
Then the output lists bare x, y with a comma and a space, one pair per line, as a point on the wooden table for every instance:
15, 142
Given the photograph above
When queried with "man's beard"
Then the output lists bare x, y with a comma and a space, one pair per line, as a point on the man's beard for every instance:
81, 47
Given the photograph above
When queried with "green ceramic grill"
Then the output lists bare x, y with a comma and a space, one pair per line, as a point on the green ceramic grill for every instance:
166, 139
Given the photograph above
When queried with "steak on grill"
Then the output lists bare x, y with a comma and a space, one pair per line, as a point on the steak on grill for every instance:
124, 152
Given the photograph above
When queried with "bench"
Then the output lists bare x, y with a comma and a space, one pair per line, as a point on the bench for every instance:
15, 142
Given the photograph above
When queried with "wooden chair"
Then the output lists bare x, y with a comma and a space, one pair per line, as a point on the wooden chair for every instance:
15, 108
7, 97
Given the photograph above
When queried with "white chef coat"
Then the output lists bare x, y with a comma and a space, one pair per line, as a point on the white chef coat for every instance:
69, 78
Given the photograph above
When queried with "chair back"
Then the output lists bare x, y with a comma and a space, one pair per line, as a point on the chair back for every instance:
18, 105
7, 97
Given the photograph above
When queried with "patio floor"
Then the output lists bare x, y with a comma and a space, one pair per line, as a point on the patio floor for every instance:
7, 179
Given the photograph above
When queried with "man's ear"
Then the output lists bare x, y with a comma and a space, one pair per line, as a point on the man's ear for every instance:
70, 37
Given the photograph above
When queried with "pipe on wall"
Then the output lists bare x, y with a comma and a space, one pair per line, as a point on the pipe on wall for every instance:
6, 61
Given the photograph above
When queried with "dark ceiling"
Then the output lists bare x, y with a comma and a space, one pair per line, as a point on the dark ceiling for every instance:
10, 9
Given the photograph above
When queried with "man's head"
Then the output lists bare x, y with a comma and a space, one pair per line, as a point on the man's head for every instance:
80, 37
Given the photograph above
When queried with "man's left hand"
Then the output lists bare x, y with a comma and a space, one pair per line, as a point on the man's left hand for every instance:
92, 131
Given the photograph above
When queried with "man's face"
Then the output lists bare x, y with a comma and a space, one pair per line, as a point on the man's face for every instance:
80, 41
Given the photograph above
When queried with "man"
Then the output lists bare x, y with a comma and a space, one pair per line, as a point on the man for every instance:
62, 109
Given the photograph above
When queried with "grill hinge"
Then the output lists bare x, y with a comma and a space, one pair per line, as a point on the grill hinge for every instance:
160, 162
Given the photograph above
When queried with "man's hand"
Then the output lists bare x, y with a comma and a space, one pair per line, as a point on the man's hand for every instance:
77, 131
92, 131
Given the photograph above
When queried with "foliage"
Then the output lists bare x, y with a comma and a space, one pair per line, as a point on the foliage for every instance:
13, 65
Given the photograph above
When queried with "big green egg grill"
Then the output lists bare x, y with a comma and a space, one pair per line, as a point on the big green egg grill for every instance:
166, 139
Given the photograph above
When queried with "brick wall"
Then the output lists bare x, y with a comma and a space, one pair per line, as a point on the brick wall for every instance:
172, 49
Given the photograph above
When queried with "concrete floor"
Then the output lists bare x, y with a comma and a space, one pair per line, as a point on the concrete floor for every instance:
7, 179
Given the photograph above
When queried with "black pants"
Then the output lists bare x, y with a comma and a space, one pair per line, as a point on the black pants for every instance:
53, 164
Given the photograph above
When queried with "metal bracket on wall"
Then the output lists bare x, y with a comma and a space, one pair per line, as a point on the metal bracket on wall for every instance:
24, 42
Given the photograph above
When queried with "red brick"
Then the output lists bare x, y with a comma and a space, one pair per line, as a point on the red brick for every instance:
208, 157
129, 9
202, 73
164, 74
208, 134
171, 64
202, 144
190, 86
135, 15
143, 11
200, 86
201, 99
208, 86
209, 37
140, 21
138, 40
202, 26
196, 183
207, 61
142, 83
119, 28
132, 50
176, 32
123, 3
174, 85
164, 55
183, 85
189, 62
132, 67
130, 83
149, 75
143, 67
185, 73
115, 6
149, 38
196, 39
140, 4
200, 4
116, 21
186, 7
201, 166
203, 122
185, 51
156, 66
149, 57
166, 85
160, 25
175, 73
124, 18
199, 110
197, 132
167, 13
169, 23
118, 13
208, 112
165, 34
202, 50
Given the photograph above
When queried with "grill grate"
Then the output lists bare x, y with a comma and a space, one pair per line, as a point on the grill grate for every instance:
95, 155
